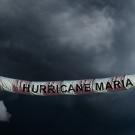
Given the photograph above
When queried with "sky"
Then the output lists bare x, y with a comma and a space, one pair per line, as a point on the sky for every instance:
67, 40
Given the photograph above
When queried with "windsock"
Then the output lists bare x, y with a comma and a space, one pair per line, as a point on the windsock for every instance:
67, 87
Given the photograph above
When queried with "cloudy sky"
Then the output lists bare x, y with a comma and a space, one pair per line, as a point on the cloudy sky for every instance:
62, 40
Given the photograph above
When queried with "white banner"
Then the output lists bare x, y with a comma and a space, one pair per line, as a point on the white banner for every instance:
72, 87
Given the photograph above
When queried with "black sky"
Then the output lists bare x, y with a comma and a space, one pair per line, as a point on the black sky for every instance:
62, 40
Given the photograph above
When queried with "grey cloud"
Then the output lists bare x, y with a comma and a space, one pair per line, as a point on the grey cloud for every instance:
47, 27
4, 115
87, 32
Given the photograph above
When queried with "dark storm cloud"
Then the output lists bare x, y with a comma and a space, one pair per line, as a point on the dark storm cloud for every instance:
52, 36
49, 36
64, 39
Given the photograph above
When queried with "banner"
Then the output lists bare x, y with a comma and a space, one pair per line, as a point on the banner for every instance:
69, 87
